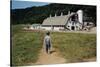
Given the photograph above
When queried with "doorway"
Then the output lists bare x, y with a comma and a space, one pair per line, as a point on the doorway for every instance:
72, 28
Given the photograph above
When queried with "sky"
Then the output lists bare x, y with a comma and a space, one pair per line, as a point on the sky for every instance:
24, 4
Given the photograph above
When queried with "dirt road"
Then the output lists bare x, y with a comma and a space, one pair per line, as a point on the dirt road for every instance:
52, 58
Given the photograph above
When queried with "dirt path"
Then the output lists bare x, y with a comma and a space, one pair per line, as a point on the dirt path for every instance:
52, 58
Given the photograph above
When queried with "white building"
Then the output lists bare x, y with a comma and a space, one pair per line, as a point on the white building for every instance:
35, 26
72, 21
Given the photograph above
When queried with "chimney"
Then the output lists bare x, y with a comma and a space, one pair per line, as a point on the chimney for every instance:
68, 12
61, 13
50, 16
55, 15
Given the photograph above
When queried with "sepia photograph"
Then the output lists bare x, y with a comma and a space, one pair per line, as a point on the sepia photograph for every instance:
45, 33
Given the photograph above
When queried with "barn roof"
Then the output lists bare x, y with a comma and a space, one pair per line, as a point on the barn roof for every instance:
58, 20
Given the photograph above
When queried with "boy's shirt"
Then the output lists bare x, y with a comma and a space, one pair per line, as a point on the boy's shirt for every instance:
47, 40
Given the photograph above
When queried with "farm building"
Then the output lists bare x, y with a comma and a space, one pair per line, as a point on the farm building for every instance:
71, 21
35, 26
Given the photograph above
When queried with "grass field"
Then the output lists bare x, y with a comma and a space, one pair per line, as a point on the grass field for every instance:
25, 46
74, 47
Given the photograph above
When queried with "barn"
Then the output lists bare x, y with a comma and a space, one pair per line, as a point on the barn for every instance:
71, 21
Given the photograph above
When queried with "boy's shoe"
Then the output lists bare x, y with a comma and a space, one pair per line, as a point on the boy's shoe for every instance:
49, 52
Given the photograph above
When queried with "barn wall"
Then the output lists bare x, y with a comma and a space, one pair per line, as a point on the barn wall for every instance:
52, 28
46, 28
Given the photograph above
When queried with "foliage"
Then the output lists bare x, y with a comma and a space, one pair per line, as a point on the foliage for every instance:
25, 46
75, 47
38, 14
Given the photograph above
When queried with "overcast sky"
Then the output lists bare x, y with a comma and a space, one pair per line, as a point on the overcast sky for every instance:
24, 4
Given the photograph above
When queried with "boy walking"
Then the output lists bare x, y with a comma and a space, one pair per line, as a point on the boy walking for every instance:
47, 43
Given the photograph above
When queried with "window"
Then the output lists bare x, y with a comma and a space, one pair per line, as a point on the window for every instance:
73, 18
68, 26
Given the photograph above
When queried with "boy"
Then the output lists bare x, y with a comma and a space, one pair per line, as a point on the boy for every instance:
47, 43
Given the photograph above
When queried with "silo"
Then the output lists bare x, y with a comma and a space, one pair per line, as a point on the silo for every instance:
80, 16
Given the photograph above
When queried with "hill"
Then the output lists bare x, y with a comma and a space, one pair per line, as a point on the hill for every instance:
37, 14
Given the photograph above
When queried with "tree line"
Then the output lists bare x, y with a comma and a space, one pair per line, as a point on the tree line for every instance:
37, 14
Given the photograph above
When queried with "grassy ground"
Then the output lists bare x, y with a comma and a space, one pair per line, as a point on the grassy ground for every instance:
75, 47
25, 46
